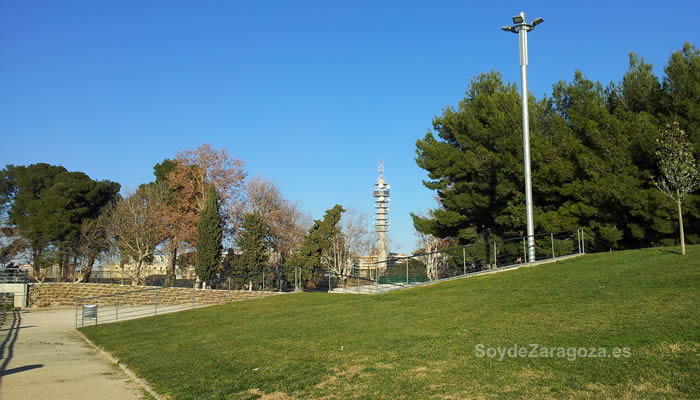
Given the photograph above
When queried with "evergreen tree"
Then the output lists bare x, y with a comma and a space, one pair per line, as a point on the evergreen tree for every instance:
209, 237
681, 91
48, 205
317, 240
641, 89
475, 163
253, 242
593, 151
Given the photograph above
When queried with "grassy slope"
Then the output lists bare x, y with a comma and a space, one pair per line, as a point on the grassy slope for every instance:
420, 343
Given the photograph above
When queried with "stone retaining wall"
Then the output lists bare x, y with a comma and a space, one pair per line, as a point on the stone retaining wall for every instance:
64, 294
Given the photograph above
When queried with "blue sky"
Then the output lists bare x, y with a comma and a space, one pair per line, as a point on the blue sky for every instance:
310, 94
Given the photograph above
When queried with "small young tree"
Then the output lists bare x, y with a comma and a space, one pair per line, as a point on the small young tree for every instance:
679, 174
209, 238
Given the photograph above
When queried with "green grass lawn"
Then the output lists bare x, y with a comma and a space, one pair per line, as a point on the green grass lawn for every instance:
421, 343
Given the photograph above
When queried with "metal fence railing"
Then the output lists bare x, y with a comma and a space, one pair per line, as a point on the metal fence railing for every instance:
395, 273
483, 257
155, 300
13, 275
327, 280
148, 301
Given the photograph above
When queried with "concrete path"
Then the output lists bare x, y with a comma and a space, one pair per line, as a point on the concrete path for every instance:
43, 358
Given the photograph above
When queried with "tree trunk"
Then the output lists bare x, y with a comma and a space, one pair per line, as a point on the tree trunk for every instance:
62, 267
88, 271
170, 276
36, 255
74, 268
137, 274
680, 224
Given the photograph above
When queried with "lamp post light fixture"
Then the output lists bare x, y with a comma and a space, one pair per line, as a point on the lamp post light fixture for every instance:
522, 28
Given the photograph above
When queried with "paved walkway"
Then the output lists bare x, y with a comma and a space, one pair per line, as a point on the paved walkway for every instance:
43, 358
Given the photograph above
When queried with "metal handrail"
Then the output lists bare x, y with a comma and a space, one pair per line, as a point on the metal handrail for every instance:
13, 276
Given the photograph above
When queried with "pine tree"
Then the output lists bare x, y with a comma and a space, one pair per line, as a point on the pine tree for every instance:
592, 152
209, 237
317, 240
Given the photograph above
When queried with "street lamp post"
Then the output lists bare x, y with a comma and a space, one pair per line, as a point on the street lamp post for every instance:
522, 28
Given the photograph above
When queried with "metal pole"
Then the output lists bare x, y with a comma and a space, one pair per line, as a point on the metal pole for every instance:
524, 251
522, 33
376, 277
578, 239
407, 271
495, 262
553, 254
464, 259
117, 308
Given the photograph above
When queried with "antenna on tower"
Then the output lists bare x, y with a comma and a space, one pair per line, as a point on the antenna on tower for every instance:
381, 168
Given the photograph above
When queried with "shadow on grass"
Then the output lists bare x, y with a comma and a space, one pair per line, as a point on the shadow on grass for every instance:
676, 252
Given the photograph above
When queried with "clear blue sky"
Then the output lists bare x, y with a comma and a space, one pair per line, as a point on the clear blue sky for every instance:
309, 94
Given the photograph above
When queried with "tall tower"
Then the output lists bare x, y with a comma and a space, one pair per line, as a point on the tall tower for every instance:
381, 218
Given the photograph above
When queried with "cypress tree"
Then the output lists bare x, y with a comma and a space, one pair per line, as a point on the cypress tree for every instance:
209, 237
253, 242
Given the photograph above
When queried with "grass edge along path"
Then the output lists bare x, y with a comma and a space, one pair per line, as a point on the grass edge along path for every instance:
422, 343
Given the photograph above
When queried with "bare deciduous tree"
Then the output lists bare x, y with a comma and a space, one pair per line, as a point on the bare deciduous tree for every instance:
679, 174
428, 252
196, 169
136, 224
354, 240
93, 243
286, 222
11, 244
182, 220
